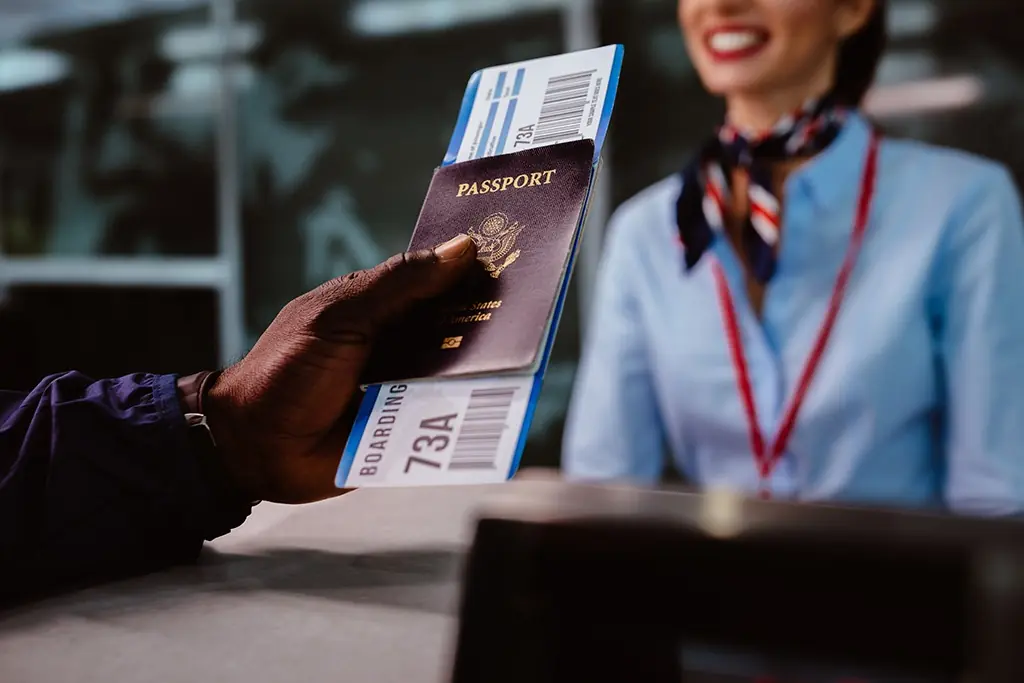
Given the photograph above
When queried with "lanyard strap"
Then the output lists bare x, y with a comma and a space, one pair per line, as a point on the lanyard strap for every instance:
765, 457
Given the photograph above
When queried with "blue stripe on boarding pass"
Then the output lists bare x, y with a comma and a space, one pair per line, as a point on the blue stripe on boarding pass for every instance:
518, 85
481, 149
499, 88
463, 121
506, 127
356, 435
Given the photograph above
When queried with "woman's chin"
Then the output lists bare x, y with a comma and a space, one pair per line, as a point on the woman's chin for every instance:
737, 80
736, 88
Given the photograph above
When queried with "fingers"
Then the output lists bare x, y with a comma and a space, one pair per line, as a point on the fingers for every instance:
406, 278
369, 298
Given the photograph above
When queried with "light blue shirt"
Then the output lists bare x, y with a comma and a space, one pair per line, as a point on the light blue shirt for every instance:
919, 399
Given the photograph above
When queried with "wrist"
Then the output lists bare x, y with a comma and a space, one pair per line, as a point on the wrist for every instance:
219, 458
192, 392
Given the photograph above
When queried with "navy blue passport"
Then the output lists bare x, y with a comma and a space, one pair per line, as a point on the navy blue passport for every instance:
523, 210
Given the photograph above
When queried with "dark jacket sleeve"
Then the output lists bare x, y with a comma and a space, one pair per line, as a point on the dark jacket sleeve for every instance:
98, 480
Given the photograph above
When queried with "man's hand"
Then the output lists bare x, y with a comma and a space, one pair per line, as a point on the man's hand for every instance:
282, 415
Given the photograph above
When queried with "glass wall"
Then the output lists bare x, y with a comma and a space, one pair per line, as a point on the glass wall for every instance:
107, 173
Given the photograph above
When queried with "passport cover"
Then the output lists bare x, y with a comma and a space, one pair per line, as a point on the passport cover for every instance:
522, 210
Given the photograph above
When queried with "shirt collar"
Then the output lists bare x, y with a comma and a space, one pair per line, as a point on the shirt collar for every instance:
830, 182
833, 176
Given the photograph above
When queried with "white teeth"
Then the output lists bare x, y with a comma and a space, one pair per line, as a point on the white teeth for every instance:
733, 41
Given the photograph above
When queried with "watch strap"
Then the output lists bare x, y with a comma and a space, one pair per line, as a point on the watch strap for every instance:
192, 390
232, 505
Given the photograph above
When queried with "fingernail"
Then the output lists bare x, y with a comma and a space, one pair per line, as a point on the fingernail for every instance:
453, 248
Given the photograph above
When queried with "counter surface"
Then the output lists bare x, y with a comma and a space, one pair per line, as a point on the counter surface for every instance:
359, 588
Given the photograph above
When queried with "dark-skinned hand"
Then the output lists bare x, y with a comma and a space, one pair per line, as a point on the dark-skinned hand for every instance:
281, 416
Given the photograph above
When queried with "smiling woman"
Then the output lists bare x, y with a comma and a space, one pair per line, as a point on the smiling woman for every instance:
764, 62
809, 309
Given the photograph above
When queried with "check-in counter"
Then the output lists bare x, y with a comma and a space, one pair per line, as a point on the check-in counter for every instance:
562, 581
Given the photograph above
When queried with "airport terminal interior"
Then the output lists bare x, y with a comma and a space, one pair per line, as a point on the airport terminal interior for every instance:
180, 169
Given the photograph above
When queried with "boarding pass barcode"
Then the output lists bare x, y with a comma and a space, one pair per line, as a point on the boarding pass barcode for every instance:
565, 103
479, 439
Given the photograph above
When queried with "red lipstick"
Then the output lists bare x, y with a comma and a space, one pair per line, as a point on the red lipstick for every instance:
735, 41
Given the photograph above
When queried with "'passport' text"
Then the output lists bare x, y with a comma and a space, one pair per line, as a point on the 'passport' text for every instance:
518, 182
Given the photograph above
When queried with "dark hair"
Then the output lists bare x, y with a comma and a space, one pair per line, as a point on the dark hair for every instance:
859, 56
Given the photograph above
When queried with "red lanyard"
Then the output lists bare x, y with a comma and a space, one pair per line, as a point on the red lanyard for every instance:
767, 457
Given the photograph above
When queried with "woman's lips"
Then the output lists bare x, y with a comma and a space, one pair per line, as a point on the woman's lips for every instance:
729, 43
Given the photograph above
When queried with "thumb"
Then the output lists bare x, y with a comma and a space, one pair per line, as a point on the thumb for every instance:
414, 276
379, 294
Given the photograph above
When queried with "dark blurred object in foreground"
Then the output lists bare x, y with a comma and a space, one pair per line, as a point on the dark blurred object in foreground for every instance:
589, 584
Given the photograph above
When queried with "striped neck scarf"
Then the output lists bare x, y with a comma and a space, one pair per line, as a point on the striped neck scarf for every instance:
701, 208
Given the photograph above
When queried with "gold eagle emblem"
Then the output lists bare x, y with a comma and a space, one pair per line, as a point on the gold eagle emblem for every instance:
495, 239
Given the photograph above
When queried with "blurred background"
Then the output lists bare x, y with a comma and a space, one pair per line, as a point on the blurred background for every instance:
173, 171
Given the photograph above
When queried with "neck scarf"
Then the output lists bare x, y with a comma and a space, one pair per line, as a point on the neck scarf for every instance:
701, 208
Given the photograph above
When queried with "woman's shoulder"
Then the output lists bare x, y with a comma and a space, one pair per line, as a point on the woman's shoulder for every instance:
940, 171
651, 200
644, 225
972, 201
650, 211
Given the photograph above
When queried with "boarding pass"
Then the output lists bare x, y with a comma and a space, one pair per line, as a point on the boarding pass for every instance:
473, 431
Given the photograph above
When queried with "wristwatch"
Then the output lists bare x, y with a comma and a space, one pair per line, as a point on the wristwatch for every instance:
232, 505
191, 391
